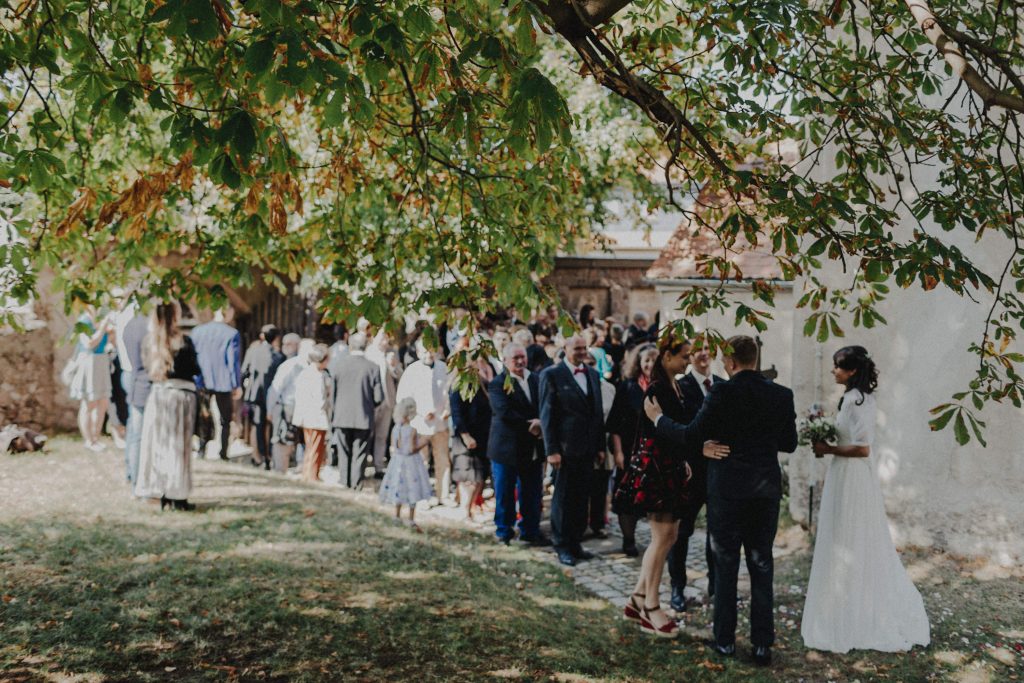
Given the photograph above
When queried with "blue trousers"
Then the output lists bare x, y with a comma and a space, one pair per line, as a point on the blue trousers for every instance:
133, 442
528, 482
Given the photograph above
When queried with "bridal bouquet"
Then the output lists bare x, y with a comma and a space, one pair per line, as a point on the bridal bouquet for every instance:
816, 426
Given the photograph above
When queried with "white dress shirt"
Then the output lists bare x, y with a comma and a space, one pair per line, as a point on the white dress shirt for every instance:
524, 383
580, 377
700, 380
428, 386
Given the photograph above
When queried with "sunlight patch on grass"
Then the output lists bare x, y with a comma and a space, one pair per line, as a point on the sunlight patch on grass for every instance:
577, 678
158, 645
1003, 656
506, 673
278, 550
950, 657
411, 576
365, 600
545, 601
974, 674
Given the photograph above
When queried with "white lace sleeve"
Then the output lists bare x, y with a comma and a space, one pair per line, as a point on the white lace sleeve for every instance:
862, 418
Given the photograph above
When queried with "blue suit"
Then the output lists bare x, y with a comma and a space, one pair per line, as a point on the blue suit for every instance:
515, 462
219, 349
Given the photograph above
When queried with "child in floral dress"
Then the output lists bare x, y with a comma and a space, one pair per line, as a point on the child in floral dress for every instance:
406, 481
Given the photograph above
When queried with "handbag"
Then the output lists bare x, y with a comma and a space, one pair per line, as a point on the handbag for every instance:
67, 375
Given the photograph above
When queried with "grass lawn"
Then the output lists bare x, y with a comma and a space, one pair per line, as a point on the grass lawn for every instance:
275, 580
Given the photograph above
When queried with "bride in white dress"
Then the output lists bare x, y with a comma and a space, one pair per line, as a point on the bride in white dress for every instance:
859, 595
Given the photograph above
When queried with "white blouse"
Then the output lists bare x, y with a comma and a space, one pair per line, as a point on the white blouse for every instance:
856, 419
312, 399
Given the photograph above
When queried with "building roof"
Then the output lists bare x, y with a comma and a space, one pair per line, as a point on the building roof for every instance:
693, 242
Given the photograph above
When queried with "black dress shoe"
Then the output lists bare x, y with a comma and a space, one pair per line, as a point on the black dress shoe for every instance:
722, 650
566, 558
600, 533
581, 554
630, 550
678, 602
762, 655
504, 541
539, 541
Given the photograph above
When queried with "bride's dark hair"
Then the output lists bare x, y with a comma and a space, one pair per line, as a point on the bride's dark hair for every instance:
856, 359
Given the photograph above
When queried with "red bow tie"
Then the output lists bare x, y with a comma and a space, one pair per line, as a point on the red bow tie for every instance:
579, 371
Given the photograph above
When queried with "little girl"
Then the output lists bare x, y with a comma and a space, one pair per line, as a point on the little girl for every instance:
406, 481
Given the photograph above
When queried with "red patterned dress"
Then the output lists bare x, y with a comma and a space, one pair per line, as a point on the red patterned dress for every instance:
656, 479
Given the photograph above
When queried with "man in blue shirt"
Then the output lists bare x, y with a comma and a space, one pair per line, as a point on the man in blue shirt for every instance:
219, 347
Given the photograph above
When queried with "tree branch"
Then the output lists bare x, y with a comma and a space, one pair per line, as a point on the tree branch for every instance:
950, 51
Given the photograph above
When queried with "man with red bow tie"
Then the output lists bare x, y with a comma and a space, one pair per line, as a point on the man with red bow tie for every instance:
572, 421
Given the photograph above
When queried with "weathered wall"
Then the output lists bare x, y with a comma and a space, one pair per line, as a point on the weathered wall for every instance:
31, 393
615, 287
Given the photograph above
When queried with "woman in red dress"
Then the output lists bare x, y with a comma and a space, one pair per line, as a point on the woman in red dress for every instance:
655, 485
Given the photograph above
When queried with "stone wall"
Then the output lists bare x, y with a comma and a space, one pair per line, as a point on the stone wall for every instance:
615, 287
31, 393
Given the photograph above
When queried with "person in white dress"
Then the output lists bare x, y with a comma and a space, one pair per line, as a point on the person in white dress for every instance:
859, 596
406, 481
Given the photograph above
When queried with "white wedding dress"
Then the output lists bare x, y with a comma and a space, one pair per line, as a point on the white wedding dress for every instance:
859, 595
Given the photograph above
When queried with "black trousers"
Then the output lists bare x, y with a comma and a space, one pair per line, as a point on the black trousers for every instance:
698, 492
750, 523
598, 499
353, 447
204, 424
258, 419
569, 502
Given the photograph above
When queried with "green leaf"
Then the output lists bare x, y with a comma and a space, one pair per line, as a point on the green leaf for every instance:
259, 56
940, 422
960, 429
203, 24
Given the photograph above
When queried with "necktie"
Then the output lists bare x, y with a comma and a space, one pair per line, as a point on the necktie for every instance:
579, 371
707, 385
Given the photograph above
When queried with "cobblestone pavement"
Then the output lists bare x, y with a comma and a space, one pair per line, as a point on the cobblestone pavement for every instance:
611, 575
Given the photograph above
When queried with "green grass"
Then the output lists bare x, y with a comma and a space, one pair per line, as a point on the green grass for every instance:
275, 580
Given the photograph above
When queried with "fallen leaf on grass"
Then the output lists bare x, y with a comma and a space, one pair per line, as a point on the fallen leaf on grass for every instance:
711, 666
308, 512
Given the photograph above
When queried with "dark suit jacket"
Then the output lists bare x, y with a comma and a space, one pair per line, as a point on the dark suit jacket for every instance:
572, 422
357, 391
693, 399
134, 332
472, 417
510, 442
753, 416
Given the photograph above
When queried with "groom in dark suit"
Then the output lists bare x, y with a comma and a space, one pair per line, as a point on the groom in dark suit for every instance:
695, 386
753, 419
572, 420
514, 449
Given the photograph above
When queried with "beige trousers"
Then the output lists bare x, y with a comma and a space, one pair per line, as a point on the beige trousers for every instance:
442, 463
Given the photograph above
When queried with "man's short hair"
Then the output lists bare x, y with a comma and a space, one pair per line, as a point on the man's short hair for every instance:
269, 332
318, 354
638, 316
744, 350
523, 336
511, 348
291, 339
357, 342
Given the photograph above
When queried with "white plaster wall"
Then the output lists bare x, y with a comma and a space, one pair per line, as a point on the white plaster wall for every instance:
777, 340
969, 499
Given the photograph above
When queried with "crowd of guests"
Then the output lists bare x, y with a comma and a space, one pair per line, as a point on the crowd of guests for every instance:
611, 418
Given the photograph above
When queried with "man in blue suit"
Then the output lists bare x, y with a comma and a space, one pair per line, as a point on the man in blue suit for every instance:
513, 449
751, 419
572, 421
219, 347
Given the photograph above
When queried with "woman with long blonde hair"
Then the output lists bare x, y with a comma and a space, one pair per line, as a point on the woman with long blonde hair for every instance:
165, 456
